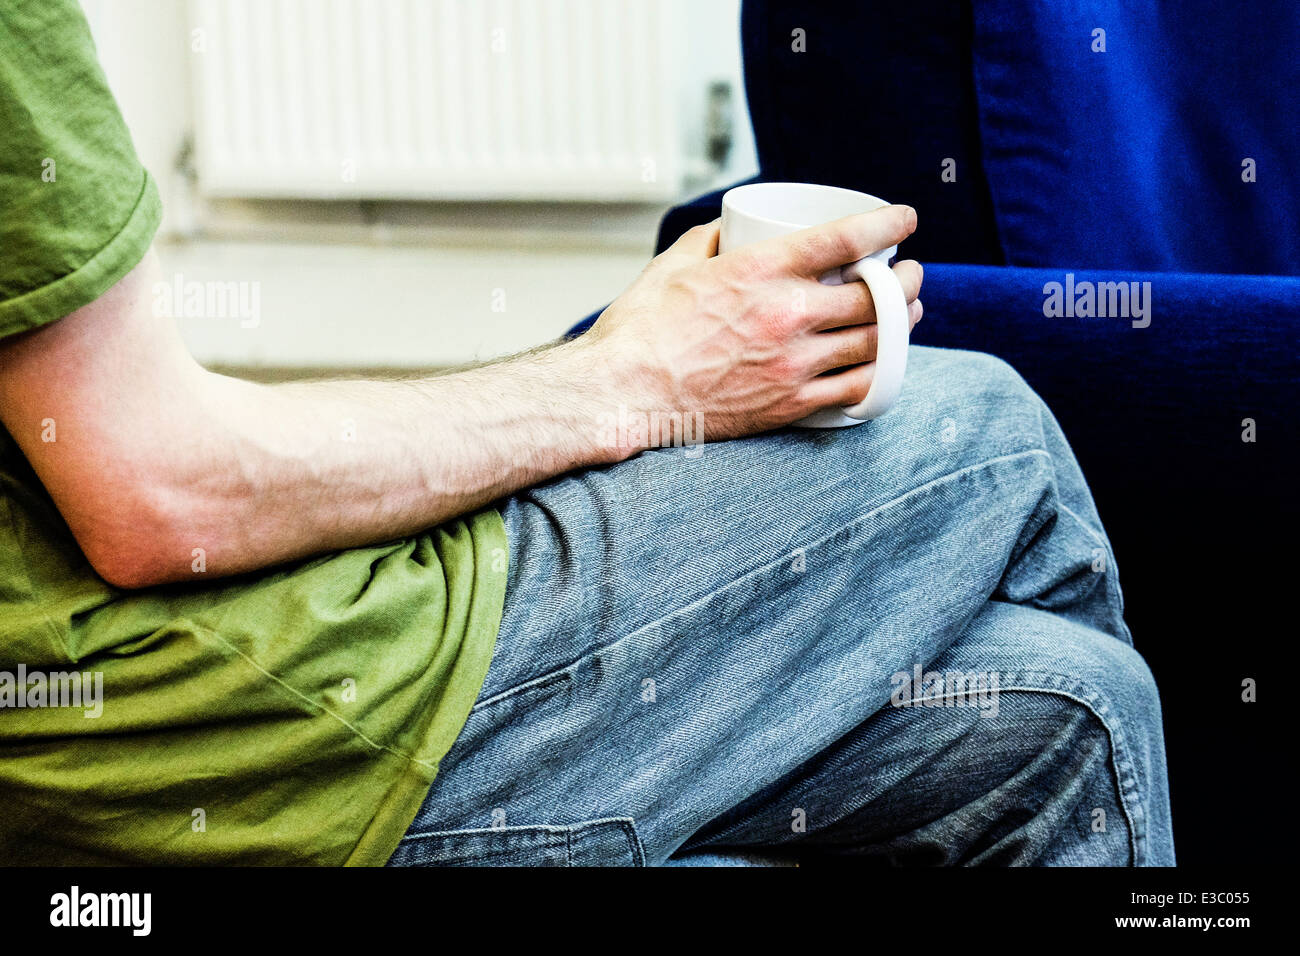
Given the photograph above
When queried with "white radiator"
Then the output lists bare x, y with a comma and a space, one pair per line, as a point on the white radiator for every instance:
438, 99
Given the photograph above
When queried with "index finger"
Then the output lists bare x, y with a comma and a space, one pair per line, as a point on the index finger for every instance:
813, 250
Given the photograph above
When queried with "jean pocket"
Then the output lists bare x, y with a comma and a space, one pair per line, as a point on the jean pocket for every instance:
608, 842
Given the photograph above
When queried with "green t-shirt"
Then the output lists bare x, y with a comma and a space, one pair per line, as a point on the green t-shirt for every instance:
292, 716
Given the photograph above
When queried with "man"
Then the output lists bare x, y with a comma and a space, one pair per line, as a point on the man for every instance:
449, 621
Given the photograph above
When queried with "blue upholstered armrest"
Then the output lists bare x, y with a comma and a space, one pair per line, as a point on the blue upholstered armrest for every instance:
1217, 349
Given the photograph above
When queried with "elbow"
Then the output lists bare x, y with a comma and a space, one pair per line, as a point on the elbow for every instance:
134, 544
126, 569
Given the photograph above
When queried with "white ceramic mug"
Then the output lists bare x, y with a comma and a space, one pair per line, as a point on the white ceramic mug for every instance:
763, 210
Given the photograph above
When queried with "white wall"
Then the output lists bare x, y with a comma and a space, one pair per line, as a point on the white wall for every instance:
404, 285
144, 46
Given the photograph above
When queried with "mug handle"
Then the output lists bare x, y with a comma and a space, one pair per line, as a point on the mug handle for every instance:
892, 328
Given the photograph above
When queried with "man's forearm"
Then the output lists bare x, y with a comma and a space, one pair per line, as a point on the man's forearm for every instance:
281, 472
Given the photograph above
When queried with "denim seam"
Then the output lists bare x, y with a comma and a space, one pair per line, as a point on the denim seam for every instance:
626, 826
556, 828
1115, 598
1125, 779
1125, 775
757, 572
634, 845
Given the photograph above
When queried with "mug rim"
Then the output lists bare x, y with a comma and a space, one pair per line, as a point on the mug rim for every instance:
729, 197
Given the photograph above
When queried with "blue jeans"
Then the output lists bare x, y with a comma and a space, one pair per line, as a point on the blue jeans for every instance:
901, 641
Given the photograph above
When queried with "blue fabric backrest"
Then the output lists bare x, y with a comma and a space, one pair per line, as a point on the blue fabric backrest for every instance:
1136, 155
1126, 135
875, 96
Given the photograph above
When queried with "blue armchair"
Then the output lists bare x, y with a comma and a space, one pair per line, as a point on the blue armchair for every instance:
1079, 144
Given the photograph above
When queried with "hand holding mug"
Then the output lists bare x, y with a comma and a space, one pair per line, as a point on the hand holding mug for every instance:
761, 336
765, 210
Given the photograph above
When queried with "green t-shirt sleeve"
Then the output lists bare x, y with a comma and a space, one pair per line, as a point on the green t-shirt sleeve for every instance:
77, 209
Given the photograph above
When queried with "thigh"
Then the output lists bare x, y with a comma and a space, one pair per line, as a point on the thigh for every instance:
684, 629
600, 553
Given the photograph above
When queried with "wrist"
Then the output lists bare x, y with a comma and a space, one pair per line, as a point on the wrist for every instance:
606, 399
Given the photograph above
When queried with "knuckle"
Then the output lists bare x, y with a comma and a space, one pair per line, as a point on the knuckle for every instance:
911, 279
783, 316
798, 405
698, 234
788, 317
782, 368
822, 245
668, 259
811, 245
776, 329
856, 351
745, 265
695, 289
842, 245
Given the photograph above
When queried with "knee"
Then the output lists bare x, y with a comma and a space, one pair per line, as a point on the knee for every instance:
1118, 684
1092, 668
1105, 694
974, 397
975, 375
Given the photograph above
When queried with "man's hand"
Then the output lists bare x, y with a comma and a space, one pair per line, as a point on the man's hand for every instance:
750, 339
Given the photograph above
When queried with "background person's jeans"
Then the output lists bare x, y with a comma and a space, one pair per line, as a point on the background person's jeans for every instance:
700, 652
